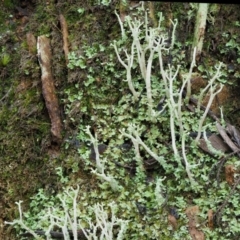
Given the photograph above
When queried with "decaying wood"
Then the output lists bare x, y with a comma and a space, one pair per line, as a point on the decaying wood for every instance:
64, 28
48, 88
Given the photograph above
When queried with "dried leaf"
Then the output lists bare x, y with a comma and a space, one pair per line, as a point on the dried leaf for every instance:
191, 213
229, 174
226, 138
196, 234
172, 221
235, 133
210, 219
216, 142
31, 42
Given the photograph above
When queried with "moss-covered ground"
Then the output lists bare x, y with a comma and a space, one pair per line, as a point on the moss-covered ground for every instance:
92, 91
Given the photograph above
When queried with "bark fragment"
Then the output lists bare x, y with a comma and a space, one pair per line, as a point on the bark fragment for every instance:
48, 88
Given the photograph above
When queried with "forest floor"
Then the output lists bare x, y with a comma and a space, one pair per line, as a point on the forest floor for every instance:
91, 92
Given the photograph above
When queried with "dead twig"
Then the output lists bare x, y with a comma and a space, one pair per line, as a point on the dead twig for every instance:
64, 28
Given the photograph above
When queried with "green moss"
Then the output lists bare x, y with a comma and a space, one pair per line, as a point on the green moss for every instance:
9, 4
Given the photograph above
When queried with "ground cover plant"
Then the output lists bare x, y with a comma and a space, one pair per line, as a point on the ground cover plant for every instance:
138, 144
